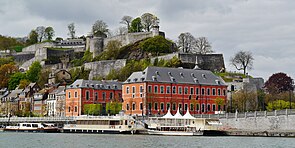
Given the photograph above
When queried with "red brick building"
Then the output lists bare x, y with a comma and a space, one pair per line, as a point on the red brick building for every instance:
83, 92
156, 89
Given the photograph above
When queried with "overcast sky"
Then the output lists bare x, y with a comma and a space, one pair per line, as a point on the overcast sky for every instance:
264, 27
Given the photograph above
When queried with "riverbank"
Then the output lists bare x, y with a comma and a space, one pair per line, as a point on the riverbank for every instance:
256, 133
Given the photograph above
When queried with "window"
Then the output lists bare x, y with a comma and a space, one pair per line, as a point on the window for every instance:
180, 106
186, 90
208, 107
197, 91
192, 107
168, 90
214, 107
174, 89
127, 106
219, 107
76, 109
87, 95
69, 109
156, 106
76, 94
141, 89
203, 91
224, 92
208, 91
96, 96
219, 92
155, 89
213, 91
69, 94
168, 106
174, 106
161, 89
103, 96
203, 107
127, 90
179, 90
150, 106
162, 106
192, 90
111, 95
133, 106
150, 88
141, 107
185, 107
133, 89
197, 107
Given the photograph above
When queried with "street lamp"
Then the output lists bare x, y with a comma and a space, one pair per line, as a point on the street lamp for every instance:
291, 93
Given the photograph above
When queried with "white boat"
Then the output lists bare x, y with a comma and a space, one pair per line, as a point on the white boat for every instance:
102, 124
31, 127
179, 125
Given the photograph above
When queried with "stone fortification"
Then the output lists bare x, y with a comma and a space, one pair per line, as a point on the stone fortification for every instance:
23, 57
95, 45
129, 38
33, 48
212, 62
102, 68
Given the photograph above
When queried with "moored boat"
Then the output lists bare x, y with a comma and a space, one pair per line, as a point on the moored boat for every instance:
179, 125
31, 127
102, 124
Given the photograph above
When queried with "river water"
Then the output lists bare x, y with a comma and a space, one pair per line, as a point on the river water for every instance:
65, 140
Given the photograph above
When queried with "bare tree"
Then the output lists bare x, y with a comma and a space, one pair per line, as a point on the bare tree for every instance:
100, 28
186, 42
203, 46
126, 20
72, 30
121, 30
242, 60
148, 20
41, 32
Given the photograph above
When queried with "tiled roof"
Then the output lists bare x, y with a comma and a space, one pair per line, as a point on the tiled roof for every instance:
15, 92
96, 84
175, 75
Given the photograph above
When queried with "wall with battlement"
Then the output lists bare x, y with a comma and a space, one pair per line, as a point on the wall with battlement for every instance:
102, 68
33, 48
129, 38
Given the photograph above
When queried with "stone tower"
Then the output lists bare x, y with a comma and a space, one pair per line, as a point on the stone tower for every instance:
156, 30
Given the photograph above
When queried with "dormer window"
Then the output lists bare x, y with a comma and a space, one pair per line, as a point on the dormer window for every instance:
169, 73
135, 79
181, 74
217, 82
193, 75
157, 73
172, 79
142, 79
128, 80
101, 86
154, 78
196, 80
143, 72
204, 76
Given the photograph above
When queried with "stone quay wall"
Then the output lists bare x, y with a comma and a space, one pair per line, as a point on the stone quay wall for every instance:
283, 120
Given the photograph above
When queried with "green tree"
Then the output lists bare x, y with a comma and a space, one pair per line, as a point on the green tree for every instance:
92, 109
136, 25
157, 44
43, 77
34, 71
113, 107
6, 71
15, 80
49, 33
220, 102
33, 37
6, 60
23, 83
279, 105
79, 73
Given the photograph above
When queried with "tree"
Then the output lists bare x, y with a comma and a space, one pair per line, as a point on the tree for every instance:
245, 100
15, 79
121, 30
6, 71
148, 20
136, 25
127, 21
100, 29
33, 37
242, 60
279, 105
43, 77
72, 30
34, 71
186, 42
157, 44
220, 102
203, 46
278, 83
23, 83
49, 33
41, 33
92, 109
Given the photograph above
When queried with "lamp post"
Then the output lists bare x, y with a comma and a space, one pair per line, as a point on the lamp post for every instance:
291, 93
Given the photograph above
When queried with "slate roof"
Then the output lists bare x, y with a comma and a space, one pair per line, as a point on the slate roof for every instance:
14, 93
175, 75
109, 84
